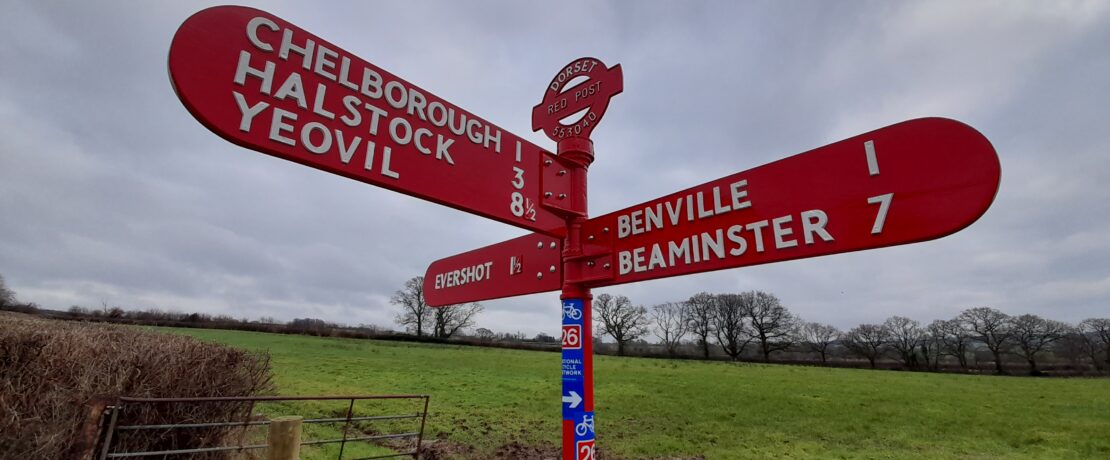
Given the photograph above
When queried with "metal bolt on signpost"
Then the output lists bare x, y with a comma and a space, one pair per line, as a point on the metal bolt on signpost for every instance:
252, 77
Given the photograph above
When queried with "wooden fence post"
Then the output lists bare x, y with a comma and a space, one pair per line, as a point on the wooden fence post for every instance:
89, 435
285, 438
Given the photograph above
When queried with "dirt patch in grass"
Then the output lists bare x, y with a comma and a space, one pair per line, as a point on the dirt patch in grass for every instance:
445, 449
515, 450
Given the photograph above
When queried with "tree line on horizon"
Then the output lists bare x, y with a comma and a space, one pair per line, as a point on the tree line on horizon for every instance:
756, 320
752, 325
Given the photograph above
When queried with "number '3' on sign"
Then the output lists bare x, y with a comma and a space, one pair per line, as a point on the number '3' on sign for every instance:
519, 205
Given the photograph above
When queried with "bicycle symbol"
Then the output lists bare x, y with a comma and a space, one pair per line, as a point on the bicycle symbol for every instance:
570, 312
586, 426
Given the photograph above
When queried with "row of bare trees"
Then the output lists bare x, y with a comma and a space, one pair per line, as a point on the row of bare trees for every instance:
758, 321
752, 321
733, 321
419, 317
1028, 337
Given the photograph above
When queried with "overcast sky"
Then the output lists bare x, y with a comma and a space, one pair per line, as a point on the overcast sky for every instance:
111, 192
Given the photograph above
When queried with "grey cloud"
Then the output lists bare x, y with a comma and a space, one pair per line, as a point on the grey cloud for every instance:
109, 190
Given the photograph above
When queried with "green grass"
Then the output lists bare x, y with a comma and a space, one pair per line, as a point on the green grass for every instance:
652, 408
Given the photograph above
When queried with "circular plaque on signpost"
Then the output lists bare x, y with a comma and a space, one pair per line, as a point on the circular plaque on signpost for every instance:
587, 98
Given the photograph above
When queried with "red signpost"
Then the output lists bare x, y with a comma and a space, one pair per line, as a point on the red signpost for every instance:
526, 265
264, 84
267, 85
589, 98
910, 182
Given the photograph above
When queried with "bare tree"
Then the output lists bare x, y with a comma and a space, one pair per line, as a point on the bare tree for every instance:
620, 319
7, 296
992, 328
818, 338
869, 341
1075, 347
931, 346
450, 319
700, 315
905, 336
1034, 334
484, 334
770, 322
415, 312
732, 333
1098, 330
670, 325
954, 339
944, 338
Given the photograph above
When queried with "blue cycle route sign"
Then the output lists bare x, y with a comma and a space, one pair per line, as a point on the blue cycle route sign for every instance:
574, 374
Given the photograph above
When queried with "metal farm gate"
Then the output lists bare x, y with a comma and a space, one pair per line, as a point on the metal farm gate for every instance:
363, 427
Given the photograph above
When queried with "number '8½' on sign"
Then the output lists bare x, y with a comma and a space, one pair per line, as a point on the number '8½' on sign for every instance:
572, 336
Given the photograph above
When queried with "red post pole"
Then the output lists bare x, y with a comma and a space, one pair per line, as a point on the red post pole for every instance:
578, 385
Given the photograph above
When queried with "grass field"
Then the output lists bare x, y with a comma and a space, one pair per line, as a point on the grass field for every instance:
652, 408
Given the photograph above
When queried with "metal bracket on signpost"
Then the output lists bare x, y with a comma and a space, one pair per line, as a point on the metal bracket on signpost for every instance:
596, 263
558, 187
591, 268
